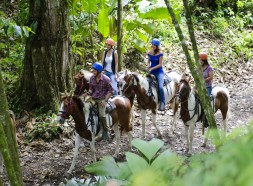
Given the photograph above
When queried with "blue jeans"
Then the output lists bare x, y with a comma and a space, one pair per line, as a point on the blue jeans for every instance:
209, 90
114, 82
160, 80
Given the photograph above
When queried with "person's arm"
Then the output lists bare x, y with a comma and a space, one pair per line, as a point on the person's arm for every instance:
116, 62
159, 65
108, 95
210, 76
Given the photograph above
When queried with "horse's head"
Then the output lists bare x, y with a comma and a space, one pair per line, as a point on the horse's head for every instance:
131, 80
183, 92
70, 105
81, 83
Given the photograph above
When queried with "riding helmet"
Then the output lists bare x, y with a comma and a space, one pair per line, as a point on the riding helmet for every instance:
203, 56
110, 41
97, 66
156, 42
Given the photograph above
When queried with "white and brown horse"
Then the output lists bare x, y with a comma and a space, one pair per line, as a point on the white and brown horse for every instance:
191, 108
82, 82
87, 121
147, 96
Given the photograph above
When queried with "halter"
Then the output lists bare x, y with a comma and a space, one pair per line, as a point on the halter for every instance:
63, 112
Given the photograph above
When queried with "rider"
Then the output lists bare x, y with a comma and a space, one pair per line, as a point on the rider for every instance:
207, 71
155, 57
100, 90
110, 63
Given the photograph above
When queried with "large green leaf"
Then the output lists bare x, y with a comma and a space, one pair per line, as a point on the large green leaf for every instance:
106, 167
124, 172
10, 30
103, 22
156, 13
139, 45
141, 36
148, 149
90, 6
1, 22
136, 163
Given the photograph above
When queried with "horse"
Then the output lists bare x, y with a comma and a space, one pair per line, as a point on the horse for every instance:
13, 122
82, 82
147, 96
191, 109
87, 121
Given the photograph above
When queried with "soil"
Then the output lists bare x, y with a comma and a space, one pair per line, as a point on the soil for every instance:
46, 163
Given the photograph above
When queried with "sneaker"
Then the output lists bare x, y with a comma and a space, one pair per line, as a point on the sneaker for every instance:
162, 106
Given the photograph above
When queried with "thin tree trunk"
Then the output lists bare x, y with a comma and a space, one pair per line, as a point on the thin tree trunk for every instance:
120, 35
194, 67
8, 146
47, 65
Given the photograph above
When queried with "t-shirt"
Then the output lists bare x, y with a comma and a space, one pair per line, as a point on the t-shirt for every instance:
154, 59
108, 60
206, 75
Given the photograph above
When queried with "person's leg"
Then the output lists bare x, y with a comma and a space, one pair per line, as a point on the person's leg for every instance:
114, 82
160, 80
209, 90
102, 118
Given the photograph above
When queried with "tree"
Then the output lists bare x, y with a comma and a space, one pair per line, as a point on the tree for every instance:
195, 67
8, 146
119, 33
47, 65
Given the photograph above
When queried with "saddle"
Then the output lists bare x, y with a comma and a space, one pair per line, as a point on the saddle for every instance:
154, 84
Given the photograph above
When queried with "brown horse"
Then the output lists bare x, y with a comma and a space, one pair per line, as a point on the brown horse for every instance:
147, 96
82, 82
87, 124
191, 109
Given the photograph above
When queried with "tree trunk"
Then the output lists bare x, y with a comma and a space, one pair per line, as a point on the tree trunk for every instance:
8, 147
47, 65
195, 68
120, 35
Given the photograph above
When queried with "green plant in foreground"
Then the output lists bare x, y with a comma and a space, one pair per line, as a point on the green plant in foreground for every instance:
148, 167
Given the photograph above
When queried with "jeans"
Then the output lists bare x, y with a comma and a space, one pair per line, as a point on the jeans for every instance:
160, 80
114, 82
209, 90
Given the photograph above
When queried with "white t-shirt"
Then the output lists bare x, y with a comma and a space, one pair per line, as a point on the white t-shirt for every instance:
108, 60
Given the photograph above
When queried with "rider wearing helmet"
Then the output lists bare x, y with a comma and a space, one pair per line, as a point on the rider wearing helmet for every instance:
155, 63
207, 71
100, 90
110, 63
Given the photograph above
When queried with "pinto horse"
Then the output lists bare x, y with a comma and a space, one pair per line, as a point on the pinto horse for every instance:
87, 122
147, 96
191, 109
82, 82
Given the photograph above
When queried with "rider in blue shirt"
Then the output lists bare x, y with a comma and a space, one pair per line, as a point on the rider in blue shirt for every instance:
155, 62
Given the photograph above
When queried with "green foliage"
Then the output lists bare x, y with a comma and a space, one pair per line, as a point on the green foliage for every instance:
149, 167
231, 165
45, 127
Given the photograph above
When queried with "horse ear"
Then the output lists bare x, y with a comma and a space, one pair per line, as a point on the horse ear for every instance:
126, 72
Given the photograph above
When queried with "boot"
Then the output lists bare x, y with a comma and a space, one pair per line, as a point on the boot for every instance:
162, 106
105, 135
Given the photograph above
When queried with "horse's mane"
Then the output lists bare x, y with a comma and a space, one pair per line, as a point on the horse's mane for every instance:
79, 102
136, 77
186, 82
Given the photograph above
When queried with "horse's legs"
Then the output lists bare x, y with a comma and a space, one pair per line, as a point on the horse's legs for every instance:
117, 137
143, 119
77, 144
192, 126
92, 147
154, 123
187, 138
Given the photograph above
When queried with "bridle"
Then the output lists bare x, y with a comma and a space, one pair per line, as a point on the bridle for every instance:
62, 113
180, 95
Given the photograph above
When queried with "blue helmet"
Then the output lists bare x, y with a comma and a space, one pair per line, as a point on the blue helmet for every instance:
156, 42
97, 66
